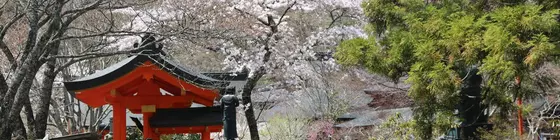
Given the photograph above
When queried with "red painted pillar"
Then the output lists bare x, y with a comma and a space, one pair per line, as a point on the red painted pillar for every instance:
519, 111
520, 116
206, 135
156, 136
119, 121
147, 113
147, 130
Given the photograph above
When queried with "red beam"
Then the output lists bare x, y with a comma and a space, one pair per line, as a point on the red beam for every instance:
177, 92
148, 88
208, 94
136, 102
131, 88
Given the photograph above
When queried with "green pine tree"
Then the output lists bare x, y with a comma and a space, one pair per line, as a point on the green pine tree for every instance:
434, 42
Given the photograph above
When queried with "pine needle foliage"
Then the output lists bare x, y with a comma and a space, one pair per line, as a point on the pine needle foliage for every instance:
434, 42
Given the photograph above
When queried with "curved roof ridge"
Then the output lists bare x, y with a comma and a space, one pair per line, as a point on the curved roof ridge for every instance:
127, 65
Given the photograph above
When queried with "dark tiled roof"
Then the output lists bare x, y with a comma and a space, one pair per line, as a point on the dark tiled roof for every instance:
388, 99
374, 118
205, 80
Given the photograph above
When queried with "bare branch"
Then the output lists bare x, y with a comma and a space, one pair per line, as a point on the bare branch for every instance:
86, 56
3, 5
254, 16
45, 20
89, 7
7, 26
7, 52
95, 55
335, 18
97, 6
3, 85
108, 33
285, 12
5, 49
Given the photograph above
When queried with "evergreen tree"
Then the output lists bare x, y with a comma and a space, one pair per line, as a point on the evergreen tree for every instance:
435, 42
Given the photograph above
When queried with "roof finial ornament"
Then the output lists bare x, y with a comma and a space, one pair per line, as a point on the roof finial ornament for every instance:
149, 45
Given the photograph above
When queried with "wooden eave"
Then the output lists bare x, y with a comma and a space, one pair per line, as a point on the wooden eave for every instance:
131, 75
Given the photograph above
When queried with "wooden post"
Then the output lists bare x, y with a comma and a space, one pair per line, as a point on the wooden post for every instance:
119, 121
519, 103
206, 135
148, 132
156, 136
520, 116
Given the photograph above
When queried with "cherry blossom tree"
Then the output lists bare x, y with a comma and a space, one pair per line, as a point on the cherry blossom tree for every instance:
278, 46
262, 37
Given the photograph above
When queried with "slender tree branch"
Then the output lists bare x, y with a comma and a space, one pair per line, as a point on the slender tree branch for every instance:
97, 5
116, 34
9, 24
2, 7
335, 18
285, 12
89, 7
251, 15
78, 58
3, 85
5, 49
101, 53
7, 52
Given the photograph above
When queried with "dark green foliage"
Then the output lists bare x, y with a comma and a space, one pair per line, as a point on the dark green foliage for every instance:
434, 43
133, 133
181, 137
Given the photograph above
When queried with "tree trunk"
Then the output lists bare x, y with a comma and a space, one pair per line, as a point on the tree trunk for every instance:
56, 118
3, 86
30, 119
45, 96
67, 112
92, 124
250, 113
20, 130
30, 66
8, 110
246, 97
248, 90
13, 103
21, 96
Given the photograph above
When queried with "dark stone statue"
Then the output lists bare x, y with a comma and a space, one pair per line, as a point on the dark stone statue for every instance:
228, 103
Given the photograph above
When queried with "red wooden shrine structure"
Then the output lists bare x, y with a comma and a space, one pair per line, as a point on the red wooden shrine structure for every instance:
138, 84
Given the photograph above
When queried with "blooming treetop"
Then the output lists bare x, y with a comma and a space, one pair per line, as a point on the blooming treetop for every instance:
289, 51
237, 28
